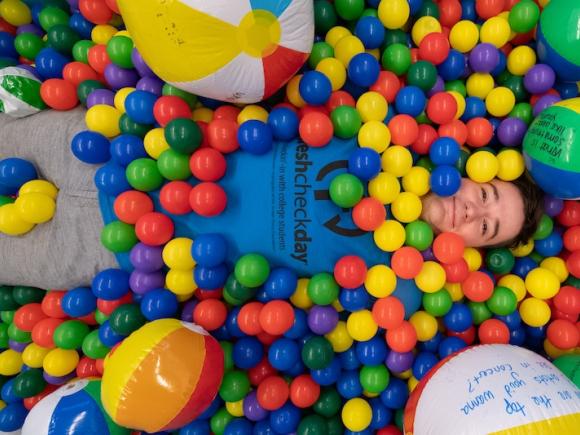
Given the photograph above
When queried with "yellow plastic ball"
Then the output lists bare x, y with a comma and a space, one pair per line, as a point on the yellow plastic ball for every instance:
473, 258
535, 312
555, 352
103, 119
334, 70
155, 143
460, 100
300, 298
520, 60
202, 114
407, 207
236, 408
339, 337
33, 355
417, 181
380, 281
124, 33
60, 362
11, 223
423, 26
384, 187
356, 414
15, 12
515, 284
347, 48
425, 325
336, 305
375, 52
374, 135
10, 362
390, 236
523, 249
361, 326
185, 297
336, 34
495, 31
180, 282
293, 91
500, 101
372, 106
511, 165
431, 278
35, 208
482, 166
397, 160
542, 283
412, 383
455, 291
479, 85
557, 266
120, 98
463, 36
102, 33
404, 375
177, 254
252, 112
393, 13
39, 186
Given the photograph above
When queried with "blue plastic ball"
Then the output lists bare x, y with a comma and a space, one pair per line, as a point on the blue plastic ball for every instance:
567, 90
370, 31
111, 180
7, 392
523, 265
296, 370
474, 108
210, 278
255, 137
281, 283
81, 25
411, 101
284, 123
263, 427
372, 352
444, 151
209, 249
424, 362
396, 394
348, 384
285, 420
12, 417
196, 427
315, 88
126, 148
50, 63
159, 304
79, 302
450, 345
518, 336
239, 426
108, 336
283, 354
232, 323
414, 6
354, 299
299, 327
363, 70
14, 172
468, 11
382, 415
247, 353
364, 163
91, 147
431, 345
348, 359
328, 375
111, 284
445, 180
7, 48
212, 409
453, 66
458, 318
513, 320
551, 246
139, 106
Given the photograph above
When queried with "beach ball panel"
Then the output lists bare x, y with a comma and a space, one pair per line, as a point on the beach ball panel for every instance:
41, 413
277, 65
243, 72
222, 10
78, 413
297, 27
276, 7
93, 389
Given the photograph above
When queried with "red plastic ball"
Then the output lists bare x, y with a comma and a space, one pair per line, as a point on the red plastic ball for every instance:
227, 112
207, 164
312, 109
489, 8
59, 94
350, 271
369, 214
261, 371
570, 214
304, 392
402, 338
493, 331
222, 134
87, 368
448, 247
98, 58
427, 135
272, 393
404, 130
389, 430
478, 286
276, 317
563, 334
174, 197
479, 132
456, 272
572, 238
316, 129
7, 27
267, 339
170, 107
449, 12
112, 4
407, 262
210, 314
154, 229
30, 402
468, 336
573, 264
202, 295
77, 72
557, 314
208, 199
28, 315
340, 98
434, 48
568, 300
249, 318
388, 85
455, 129
107, 307
43, 331
96, 11
52, 304
388, 312
131, 205
441, 108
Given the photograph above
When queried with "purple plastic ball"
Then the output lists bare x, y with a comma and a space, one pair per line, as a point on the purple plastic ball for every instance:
31, 70
146, 258
119, 78
58, 380
17, 346
143, 282
151, 84
252, 409
439, 86
322, 319
483, 58
511, 131
74, 4
539, 79
545, 102
553, 206
101, 96
140, 65
30, 28
187, 311
399, 362
428, 254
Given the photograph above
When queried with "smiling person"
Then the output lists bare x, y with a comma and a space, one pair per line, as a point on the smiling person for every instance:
278, 206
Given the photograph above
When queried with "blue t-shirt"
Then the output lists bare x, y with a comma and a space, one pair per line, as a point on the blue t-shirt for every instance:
279, 206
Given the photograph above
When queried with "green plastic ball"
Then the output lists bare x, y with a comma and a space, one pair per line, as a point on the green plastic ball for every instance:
500, 260
320, 50
126, 319
522, 111
545, 227
52, 16
17, 334
80, 50
329, 403
428, 9
312, 425
28, 45
62, 38
4, 336
29, 383
235, 386
70, 334
252, 270
183, 135
228, 349
143, 174
317, 353
93, 347
422, 74
349, 9
238, 291
7, 301
322, 289
524, 16
219, 421
346, 121
101, 317
374, 379
118, 237
7, 317
419, 234
346, 190
128, 126
119, 50
502, 302
174, 165
479, 312
324, 16
396, 58
27, 295
335, 426
437, 304
5, 200
85, 88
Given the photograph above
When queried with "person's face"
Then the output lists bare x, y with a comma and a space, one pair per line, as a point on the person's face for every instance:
483, 214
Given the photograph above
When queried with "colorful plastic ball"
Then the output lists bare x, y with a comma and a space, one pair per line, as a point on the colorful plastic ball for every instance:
535, 312
207, 164
563, 334
35, 208
370, 31
484, 58
363, 69
208, 199
283, 354
354, 299
445, 180
316, 129
482, 166
493, 331
284, 123
91, 147
411, 101
59, 94
458, 318
539, 79
542, 283
368, 214
315, 88
276, 317
500, 101
434, 48
442, 108
255, 137
479, 132
14, 172
159, 304
448, 248
79, 302
356, 414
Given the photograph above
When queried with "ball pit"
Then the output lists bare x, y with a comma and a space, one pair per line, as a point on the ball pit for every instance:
409, 96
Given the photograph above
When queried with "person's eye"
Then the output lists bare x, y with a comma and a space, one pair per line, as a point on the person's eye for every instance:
483, 195
484, 227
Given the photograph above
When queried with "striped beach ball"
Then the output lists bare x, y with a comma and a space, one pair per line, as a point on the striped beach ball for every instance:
72, 409
231, 50
162, 376
19, 93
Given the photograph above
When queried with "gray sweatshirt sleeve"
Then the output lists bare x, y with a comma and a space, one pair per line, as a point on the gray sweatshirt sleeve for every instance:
65, 252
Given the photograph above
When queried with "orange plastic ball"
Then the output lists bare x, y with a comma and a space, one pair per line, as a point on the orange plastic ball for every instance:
404, 130
493, 331
272, 393
402, 338
407, 262
249, 318
276, 317
304, 392
316, 129
210, 314
131, 205
388, 312
563, 334
369, 214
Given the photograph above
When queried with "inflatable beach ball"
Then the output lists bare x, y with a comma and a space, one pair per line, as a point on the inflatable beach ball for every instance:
72, 409
552, 149
232, 50
494, 389
162, 376
19, 92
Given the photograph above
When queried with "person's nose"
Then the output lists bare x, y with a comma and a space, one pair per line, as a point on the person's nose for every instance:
472, 211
